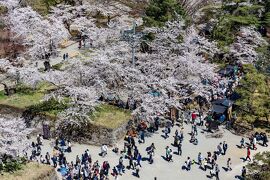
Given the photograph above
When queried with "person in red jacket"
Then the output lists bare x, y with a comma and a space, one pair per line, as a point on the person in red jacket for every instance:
248, 154
193, 116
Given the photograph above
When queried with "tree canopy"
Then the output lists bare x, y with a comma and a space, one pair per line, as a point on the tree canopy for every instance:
259, 169
160, 11
254, 90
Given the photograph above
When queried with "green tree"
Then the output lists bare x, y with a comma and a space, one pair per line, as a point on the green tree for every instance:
259, 169
160, 11
254, 90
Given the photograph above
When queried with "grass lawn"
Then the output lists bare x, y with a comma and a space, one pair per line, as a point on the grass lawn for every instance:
23, 99
30, 171
38, 5
110, 116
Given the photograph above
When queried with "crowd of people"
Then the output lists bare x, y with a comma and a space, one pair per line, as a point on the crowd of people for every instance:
84, 167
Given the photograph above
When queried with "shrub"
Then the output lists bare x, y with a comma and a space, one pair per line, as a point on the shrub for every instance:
11, 164
180, 38
3, 10
51, 106
149, 37
24, 89
57, 66
42, 6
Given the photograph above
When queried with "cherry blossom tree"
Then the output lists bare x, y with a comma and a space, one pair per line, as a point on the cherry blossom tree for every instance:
176, 68
13, 133
244, 48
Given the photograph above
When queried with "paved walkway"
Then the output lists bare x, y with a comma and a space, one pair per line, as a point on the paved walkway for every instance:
72, 50
172, 170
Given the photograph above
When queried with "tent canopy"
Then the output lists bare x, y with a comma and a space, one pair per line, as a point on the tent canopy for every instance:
227, 70
219, 109
223, 102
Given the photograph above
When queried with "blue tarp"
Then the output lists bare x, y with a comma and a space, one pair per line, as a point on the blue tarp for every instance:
222, 118
63, 171
154, 93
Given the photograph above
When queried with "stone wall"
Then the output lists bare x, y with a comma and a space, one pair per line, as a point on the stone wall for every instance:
97, 135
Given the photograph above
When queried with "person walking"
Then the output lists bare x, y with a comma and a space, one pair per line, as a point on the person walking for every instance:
47, 157
217, 172
142, 136
151, 153
170, 155
166, 131
195, 130
167, 152
193, 117
200, 159
115, 173
213, 163
179, 149
121, 166
131, 165
219, 149
156, 123
104, 150
244, 172
176, 133
242, 143
265, 140
69, 146
229, 163
137, 170
54, 160
225, 147
152, 148
139, 158
205, 164
254, 143
64, 56
188, 164
248, 154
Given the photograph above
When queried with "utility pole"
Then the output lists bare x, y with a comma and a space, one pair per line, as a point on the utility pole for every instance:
133, 43
133, 39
